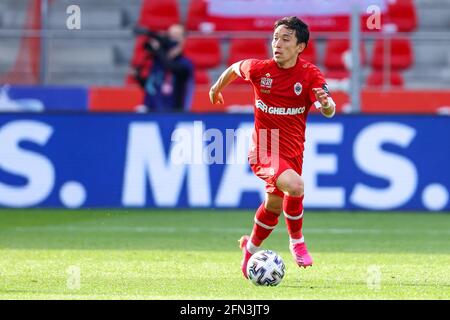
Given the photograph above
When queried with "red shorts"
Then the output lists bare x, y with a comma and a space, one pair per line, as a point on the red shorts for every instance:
269, 168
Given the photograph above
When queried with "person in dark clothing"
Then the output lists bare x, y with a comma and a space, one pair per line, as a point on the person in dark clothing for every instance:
170, 84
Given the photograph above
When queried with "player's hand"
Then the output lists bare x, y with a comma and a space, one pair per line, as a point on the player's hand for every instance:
215, 96
321, 96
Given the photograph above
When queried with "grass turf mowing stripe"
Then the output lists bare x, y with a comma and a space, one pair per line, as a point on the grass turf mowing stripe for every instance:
194, 255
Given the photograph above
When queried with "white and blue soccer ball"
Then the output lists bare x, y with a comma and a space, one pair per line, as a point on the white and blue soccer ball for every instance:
265, 268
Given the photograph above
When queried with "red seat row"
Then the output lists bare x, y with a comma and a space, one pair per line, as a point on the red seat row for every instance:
206, 53
159, 15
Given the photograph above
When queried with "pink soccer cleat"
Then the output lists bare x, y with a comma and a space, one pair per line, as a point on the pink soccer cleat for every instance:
245, 254
301, 255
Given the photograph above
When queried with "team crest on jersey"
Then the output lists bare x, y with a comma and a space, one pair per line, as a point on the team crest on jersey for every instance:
298, 88
266, 82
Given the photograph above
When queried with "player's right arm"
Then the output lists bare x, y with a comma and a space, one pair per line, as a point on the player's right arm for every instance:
228, 76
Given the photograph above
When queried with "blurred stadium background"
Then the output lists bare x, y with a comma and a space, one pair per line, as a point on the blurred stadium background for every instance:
72, 137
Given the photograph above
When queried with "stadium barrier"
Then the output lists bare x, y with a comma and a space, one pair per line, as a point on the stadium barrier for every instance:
238, 98
44, 98
199, 161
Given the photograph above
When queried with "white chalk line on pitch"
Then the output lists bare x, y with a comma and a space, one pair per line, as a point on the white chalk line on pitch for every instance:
124, 229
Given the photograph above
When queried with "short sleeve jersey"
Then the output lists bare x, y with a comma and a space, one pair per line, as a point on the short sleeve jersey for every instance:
283, 98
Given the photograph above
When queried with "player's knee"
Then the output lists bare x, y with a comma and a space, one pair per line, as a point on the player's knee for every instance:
295, 187
275, 208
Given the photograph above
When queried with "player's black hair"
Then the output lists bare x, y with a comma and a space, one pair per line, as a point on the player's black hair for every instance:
294, 23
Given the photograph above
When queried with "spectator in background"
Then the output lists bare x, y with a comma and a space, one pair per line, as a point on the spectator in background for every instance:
170, 84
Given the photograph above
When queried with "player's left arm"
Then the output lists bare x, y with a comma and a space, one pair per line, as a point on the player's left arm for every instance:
320, 95
324, 102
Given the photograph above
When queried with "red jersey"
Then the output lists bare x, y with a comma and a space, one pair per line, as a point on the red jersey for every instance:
283, 98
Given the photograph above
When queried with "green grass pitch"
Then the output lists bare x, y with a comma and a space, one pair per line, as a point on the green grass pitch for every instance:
139, 254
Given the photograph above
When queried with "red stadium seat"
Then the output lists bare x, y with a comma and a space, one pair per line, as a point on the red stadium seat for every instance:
376, 78
130, 80
247, 49
202, 77
401, 54
140, 54
197, 13
334, 54
141, 59
159, 15
310, 53
204, 52
402, 13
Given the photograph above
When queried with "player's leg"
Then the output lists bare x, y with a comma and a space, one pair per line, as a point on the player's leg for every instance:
291, 183
266, 219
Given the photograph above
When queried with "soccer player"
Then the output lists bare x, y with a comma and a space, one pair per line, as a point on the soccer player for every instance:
285, 88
